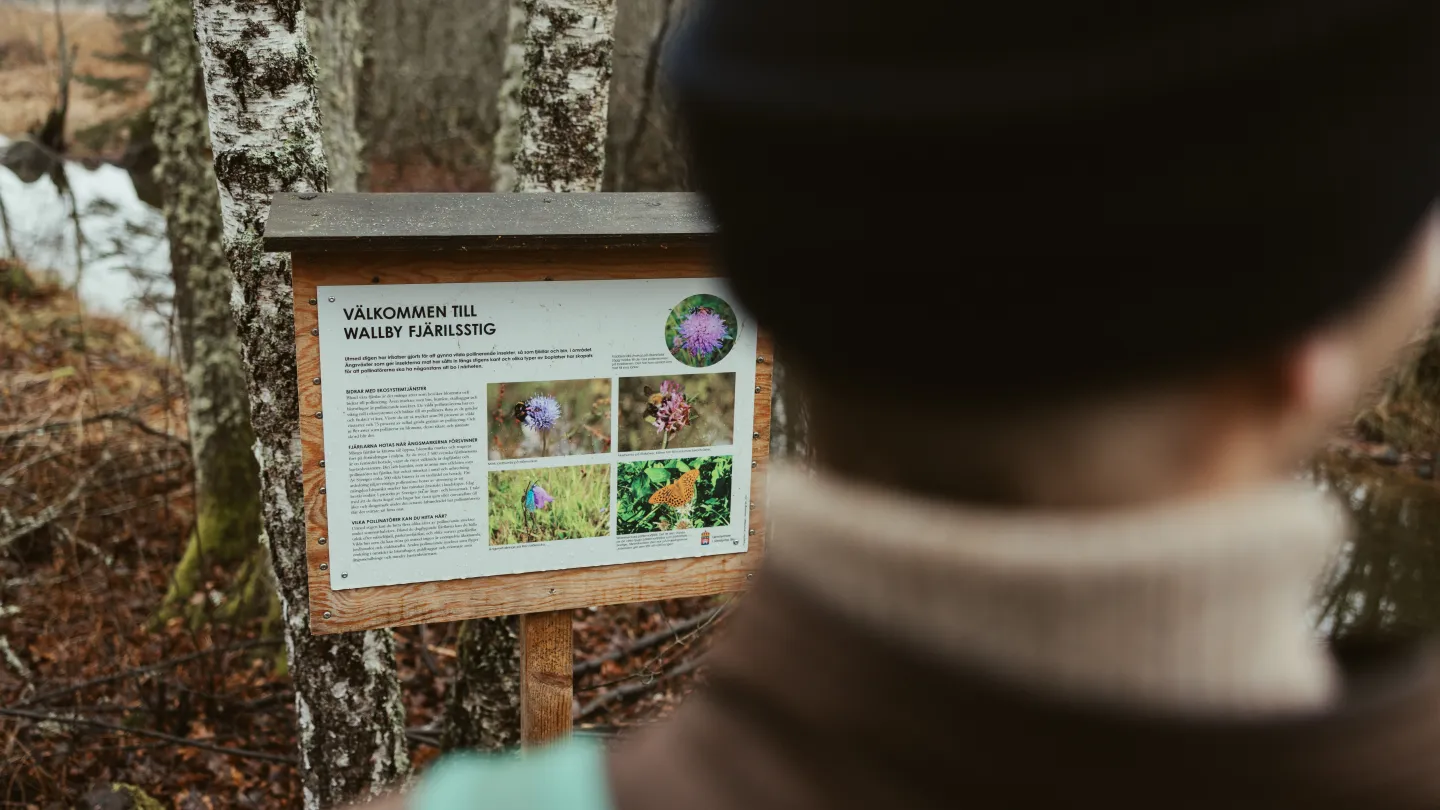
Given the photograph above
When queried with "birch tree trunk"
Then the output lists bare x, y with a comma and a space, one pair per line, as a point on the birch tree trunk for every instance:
337, 38
560, 73
565, 94
265, 127
227, 480
482, 704
507, 101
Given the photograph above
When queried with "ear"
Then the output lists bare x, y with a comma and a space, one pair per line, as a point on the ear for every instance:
1321, 379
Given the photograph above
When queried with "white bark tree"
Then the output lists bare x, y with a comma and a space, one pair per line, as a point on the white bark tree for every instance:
559, 72
337, 37
265, 129
507, 101
564, 94
227, 481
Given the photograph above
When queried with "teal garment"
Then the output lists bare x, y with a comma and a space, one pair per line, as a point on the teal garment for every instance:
566, 776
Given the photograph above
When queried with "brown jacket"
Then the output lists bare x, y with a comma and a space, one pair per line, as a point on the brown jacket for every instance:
905, 653
805, 710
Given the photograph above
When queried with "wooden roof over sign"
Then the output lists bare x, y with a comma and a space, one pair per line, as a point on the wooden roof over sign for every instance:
348, 222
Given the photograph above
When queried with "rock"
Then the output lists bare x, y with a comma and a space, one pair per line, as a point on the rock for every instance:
29, 160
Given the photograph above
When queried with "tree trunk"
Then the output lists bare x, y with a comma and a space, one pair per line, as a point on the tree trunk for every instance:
560, 73
565, 94
482, 705
265, 127
227, 480
507, 102
337, 38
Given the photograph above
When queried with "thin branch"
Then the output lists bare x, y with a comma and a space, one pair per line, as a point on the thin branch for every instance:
629, 689
44, 717
145, 670
111, 416
10, 249
52, 511
648, 641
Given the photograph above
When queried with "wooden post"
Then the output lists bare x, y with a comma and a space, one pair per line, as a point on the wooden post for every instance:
547, 687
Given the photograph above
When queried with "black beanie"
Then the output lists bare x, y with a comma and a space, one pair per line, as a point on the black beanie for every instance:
1011, 200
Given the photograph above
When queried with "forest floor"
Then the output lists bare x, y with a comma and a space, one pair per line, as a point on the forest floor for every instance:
95, 502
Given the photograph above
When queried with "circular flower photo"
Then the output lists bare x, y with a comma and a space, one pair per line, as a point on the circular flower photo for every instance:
701, 330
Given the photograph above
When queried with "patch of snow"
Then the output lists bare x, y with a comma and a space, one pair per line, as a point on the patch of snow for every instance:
124, 256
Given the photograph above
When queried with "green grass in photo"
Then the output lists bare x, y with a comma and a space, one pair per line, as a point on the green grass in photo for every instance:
580, 505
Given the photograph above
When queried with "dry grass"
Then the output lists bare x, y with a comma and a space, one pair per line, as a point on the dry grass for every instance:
29, 68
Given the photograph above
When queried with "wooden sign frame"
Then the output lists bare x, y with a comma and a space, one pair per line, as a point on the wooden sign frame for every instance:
469, 238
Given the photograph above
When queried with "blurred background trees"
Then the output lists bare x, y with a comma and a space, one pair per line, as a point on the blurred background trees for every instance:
109, 201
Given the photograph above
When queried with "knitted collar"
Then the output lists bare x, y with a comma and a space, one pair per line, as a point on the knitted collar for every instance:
1190, 606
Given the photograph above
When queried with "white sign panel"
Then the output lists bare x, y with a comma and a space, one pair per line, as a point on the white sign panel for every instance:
499, 428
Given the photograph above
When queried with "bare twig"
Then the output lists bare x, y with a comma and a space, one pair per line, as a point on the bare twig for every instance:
14, 661
136, 672
111, 416
52, 511
648, 641
636, 687
44, 717
10, 249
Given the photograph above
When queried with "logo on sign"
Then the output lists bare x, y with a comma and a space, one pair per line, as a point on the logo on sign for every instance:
705, 538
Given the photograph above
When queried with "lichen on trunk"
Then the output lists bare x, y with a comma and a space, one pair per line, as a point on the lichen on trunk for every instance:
265, 127
507, 102
565, 94
482, 705
227, 481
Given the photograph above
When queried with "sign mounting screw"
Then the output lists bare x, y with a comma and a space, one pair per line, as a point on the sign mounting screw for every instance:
313, 301
324, 566
344, 576
315, 332
759, 359
316, 381
752, 532
319, 414
332, 299
322, 462
322, 490
322, 541
755, 435
326, 614
757, 389
754, 464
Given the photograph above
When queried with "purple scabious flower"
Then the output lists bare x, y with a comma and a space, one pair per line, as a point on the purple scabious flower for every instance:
673, 412
702, 332
541, 412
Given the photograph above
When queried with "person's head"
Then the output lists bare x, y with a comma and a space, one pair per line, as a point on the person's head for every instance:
1071, 253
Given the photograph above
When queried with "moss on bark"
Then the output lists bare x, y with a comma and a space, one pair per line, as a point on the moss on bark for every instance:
227, 479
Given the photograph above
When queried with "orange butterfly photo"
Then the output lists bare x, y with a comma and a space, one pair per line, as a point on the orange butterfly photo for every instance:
676, 493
